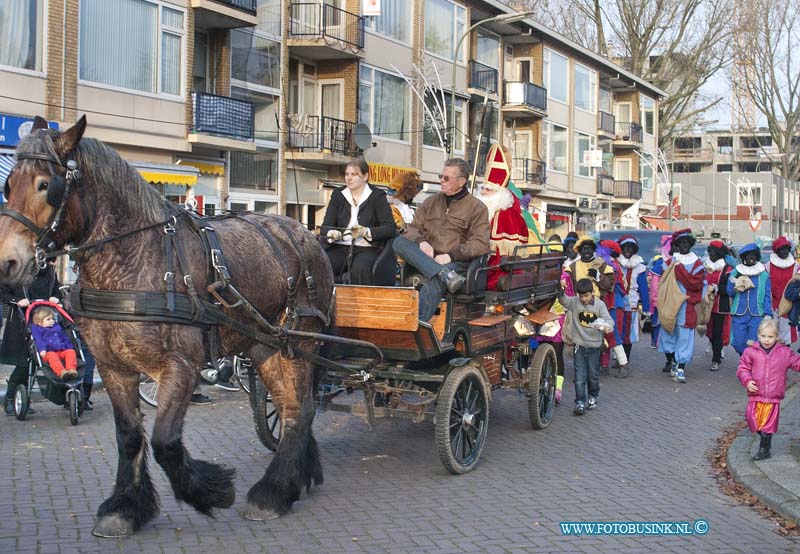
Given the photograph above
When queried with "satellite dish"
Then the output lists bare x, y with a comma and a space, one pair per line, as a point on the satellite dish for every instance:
362, 136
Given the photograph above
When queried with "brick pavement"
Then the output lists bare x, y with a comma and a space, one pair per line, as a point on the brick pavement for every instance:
640, 456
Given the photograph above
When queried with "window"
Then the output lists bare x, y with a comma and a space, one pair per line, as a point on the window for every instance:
254, 170
646, 173
585, 88
487, 50
132, 44
383, 103
200, 69
606, 100
724, 168
648, 119
255, 59
748, 194
22, 29
265, 121
583, 143
429, 135
394, 20
725, 145
556, 77
269, 17
554, 139
445, 23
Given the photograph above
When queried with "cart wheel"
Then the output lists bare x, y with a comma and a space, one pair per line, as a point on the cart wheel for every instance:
148, 389
542, 386
242, 368
74, 406
462, 419
21, 402
265, 414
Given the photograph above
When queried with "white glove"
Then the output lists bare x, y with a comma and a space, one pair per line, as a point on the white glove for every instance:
334, 235
358, 232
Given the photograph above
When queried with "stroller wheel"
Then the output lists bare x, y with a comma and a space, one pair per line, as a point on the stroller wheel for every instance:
74, 407
21, 402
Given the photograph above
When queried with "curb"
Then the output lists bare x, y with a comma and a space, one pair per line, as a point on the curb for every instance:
751, 477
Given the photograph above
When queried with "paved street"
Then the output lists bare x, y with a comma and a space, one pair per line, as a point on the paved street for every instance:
640, 456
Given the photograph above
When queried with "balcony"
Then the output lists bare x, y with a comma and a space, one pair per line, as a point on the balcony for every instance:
627, 190
482, 78
606, 125
698, 154
605, 185
325, 32
628, 135
224, 14
524, 100
222, 122
759, 154
321, 140
528, 173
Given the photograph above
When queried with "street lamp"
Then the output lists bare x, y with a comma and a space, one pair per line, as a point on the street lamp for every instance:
502, 18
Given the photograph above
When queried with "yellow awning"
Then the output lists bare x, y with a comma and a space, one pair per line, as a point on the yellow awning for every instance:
382, 174
207, 168
167, 178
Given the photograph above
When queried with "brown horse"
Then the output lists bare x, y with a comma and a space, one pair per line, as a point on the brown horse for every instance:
110, 200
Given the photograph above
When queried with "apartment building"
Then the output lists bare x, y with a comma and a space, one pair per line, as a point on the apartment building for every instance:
258, 104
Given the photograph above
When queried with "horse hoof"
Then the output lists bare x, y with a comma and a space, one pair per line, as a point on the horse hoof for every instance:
112, 527
254, 513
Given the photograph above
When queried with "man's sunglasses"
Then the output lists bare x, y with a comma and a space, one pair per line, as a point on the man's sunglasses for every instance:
447, 178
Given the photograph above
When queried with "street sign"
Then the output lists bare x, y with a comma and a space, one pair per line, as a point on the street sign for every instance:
14, 128
754, 224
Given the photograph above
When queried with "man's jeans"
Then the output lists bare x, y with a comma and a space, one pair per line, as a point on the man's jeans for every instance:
587, 367
433, 287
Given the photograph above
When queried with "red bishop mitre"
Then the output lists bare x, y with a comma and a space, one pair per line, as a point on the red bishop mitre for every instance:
508, 228
498, 167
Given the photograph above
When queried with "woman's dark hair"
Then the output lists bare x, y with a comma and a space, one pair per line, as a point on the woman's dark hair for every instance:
584, 286
360, 164
572, 235
554, 237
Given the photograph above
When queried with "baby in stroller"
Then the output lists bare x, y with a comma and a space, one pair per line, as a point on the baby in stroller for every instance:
53, 344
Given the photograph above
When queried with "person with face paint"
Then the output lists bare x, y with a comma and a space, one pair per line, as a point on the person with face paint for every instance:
749, 287
588, 265
616, 301
634, 274
654, 272
569, 248
690, 276
781, 268
718, 269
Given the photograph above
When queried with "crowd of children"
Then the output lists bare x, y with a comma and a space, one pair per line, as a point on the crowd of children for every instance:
606, 287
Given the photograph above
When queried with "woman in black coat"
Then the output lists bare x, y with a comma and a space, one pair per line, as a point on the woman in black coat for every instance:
14, 347
358, 214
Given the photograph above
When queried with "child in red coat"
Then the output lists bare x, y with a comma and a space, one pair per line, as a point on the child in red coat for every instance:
762, 371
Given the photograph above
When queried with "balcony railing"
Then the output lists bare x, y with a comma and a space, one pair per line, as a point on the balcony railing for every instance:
309, 19
223, 116
605, 185
527, 94
482, 77
629, 132
249, 6
628, 189
606, 123
756, 153
693, 153
527, 170
310, 132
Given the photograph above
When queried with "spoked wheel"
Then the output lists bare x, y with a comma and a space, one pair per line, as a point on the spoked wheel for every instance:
265, 414
242, 367
542, 386
148, 389
21, 402
462, 419
74, 407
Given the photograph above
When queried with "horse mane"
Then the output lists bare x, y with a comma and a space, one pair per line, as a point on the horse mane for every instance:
111, 179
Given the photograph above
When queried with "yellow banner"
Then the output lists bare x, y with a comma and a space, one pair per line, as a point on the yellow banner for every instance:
382, 174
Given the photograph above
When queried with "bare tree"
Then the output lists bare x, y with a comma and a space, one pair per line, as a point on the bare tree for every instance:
768, 50
678, 45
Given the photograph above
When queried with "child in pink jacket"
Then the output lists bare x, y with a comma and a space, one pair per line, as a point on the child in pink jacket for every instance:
762, 371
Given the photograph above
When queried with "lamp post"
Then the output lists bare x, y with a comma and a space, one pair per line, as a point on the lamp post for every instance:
502, 18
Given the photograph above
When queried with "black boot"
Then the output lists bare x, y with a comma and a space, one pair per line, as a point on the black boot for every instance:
763, 447
87, 392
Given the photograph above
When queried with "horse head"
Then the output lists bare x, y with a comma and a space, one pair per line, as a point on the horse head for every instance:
41, 210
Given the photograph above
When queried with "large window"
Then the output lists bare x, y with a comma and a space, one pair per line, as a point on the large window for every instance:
648, 120
583, 143
646, 172
556, 75
585, 88
132, 44
269, 17
254, 170
394, 20
384, 105
429, 135
748, 194
487, 50
554, 139
255, 59
21, 29
444, 27
265, 106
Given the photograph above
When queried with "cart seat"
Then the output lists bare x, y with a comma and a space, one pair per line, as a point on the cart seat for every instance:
476, 276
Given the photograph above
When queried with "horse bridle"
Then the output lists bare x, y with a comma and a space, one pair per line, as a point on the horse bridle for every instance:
57, 196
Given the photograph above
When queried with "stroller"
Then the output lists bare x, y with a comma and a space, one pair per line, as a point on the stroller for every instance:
64, 393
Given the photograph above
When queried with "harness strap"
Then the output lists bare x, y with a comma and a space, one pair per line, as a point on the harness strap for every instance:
169, 274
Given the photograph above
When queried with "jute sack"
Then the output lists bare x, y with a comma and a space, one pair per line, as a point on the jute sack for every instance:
670, 299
